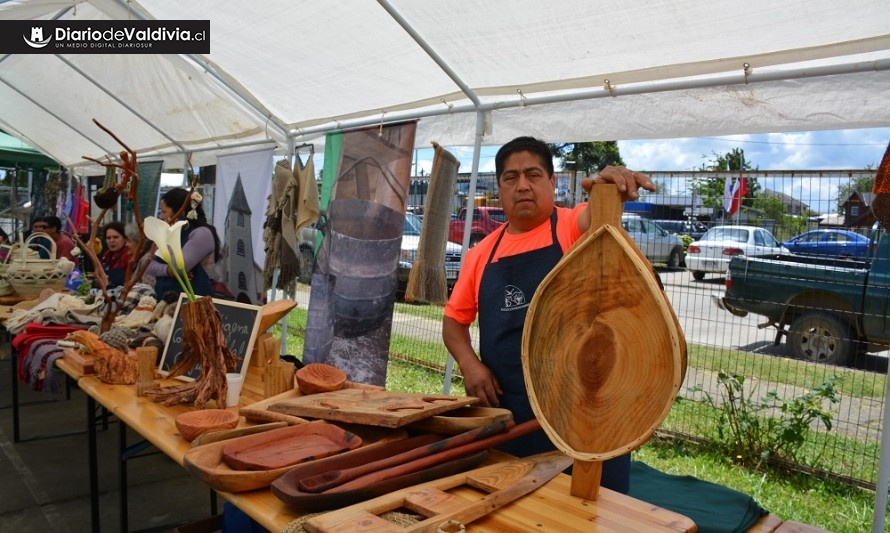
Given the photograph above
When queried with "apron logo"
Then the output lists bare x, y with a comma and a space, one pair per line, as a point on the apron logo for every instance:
514, 299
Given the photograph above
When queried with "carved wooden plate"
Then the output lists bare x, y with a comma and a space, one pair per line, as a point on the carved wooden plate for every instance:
288, 446
602, 352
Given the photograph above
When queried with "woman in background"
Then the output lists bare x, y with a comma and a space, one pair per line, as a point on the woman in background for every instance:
144, 255
200, 245
117, 253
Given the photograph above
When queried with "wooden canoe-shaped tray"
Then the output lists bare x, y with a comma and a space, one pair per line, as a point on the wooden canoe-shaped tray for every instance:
287, 487
371, 407
206, 462
462, 420
288, 446
259, 411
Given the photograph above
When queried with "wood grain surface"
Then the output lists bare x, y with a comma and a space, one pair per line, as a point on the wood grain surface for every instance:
601, 348
371, 407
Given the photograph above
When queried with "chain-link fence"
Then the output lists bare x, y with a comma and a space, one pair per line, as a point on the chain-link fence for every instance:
777, 361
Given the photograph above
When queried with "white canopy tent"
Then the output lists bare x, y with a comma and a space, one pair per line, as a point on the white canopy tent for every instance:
284, 72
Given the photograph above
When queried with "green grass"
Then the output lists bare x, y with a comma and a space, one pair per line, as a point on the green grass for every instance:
415, 366
783, 370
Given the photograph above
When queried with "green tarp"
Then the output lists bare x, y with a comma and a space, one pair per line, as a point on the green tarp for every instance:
15, 153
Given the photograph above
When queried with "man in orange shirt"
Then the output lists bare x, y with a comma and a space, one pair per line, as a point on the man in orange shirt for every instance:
501, 273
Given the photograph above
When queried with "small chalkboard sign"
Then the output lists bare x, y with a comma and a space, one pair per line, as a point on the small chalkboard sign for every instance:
240, 323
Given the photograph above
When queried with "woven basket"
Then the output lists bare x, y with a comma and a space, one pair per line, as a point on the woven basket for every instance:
5, 288
28, 274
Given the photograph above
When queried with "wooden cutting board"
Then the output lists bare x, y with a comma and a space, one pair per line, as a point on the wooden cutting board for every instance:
370, 407
259, 411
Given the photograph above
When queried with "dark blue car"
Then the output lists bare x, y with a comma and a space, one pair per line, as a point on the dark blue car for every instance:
831, 242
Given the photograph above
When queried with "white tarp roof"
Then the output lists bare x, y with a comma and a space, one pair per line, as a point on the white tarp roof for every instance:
288, 70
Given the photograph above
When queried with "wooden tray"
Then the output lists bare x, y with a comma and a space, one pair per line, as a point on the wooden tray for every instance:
207, 465
374, 408
286, 488
501, 483
462, 420
280, 448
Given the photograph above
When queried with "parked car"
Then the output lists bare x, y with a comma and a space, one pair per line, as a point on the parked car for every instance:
410, 242
485, 220
831, 242
711, 254
657, 245
692, 228
829, 309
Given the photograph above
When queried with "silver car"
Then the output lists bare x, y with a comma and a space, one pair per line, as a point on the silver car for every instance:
657, 245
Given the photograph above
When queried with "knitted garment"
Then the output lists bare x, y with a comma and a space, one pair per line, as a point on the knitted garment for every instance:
32, 333
38, 363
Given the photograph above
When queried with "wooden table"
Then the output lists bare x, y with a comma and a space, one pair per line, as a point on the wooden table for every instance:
550, 508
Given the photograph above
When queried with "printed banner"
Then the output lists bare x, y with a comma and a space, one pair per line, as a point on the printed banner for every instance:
243, 185
354, 283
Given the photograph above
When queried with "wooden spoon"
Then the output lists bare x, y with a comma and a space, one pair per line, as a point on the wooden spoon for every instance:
602, 352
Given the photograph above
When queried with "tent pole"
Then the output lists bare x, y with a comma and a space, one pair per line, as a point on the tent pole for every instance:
477, 149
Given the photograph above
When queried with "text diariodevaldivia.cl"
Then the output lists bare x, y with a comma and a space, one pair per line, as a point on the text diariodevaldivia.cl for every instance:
129, 34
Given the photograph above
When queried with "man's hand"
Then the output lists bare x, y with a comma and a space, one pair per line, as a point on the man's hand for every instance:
480, 382
627, 181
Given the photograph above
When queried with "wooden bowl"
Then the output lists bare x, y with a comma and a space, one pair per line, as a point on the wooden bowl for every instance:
195, 423
319, 377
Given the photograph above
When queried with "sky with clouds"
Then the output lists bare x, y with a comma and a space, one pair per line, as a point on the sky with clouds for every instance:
809, 150
790, 152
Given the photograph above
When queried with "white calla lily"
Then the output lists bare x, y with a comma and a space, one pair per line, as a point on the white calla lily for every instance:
168, 239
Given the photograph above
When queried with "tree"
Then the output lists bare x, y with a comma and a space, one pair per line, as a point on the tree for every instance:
710, 190
862, 184
771, 207
587, 157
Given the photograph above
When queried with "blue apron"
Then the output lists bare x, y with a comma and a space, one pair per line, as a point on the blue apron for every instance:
505, 293
197, 276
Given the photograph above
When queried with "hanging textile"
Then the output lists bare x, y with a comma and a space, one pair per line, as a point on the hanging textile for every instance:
293, 205
426, 281
80, 210
149, 182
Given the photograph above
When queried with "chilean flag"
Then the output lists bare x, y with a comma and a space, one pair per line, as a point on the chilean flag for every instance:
733, 194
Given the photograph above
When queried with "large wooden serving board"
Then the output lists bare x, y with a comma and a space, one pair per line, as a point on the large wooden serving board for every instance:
370, 407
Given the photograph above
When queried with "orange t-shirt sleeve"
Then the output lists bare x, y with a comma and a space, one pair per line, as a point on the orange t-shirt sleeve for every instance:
463, 305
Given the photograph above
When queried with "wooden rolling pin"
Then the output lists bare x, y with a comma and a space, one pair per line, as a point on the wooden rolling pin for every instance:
328, 480
437, 458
